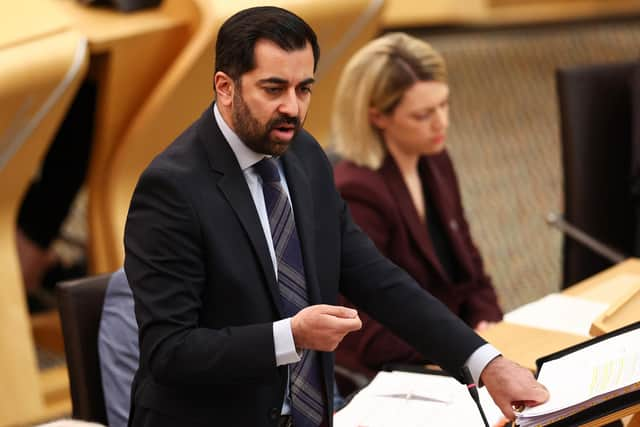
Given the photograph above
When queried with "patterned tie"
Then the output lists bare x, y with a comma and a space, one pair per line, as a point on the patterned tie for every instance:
306, 380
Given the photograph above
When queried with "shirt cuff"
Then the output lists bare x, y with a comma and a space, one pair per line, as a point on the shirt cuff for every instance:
283, 343
479, 359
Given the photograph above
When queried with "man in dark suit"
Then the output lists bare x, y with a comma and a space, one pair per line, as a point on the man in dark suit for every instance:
235, 299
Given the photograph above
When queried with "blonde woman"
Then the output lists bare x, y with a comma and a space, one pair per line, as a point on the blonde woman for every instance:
390, 127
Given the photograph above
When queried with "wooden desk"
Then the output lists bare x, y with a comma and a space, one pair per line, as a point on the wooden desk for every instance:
107, 29
609, 285
21, 24
524, 344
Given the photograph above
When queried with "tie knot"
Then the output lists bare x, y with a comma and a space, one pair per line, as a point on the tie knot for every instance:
268, 170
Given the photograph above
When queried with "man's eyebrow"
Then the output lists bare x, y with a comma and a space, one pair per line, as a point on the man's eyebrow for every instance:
273, 80
281, 81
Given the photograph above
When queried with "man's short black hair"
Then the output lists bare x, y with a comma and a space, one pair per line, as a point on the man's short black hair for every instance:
238, 36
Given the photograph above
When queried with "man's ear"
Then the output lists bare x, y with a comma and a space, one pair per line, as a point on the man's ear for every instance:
378, 119
225, 87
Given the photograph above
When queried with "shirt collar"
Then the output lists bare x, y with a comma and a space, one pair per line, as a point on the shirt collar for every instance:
246, 156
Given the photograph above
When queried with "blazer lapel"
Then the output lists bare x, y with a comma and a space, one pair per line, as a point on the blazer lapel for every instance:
302, 201
234, 187
417, 229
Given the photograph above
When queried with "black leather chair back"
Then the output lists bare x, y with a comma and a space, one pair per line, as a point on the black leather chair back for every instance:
596, 122
124, 5
635, 156
80, 304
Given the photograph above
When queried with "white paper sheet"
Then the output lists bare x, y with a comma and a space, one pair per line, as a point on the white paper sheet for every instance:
415, 400
558, 312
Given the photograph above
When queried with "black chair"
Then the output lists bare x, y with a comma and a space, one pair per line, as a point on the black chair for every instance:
596, 118
80, 303
125, 5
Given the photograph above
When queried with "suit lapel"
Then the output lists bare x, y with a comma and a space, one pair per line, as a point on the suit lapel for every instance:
233, 186
417, 230
302, 201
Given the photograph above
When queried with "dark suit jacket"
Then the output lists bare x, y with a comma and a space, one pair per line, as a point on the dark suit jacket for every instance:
206, 294
381, 204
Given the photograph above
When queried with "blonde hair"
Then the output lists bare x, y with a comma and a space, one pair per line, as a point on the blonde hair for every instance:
377, 76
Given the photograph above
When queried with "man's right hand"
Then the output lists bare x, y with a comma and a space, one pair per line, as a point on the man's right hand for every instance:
322, 327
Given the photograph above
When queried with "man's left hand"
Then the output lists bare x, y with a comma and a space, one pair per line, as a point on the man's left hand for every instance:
509, 384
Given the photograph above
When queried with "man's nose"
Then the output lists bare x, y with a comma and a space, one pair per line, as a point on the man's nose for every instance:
289, 104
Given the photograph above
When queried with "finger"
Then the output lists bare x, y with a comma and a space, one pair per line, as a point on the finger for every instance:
537, 395
339, 311
345, 325
481, 326
507, 411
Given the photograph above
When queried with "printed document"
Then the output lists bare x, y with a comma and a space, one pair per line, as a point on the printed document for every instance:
407, 399
587, 377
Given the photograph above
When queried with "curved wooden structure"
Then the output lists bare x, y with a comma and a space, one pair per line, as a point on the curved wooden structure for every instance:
40, 72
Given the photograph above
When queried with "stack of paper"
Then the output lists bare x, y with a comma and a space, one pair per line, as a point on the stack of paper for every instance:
415, 400
587, 377
558, 312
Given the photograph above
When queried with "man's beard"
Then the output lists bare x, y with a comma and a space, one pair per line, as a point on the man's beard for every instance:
254, 134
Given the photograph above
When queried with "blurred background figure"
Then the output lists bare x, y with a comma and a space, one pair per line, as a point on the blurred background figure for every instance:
49, 200
390, 125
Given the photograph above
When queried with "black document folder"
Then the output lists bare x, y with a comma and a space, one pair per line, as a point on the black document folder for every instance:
603, 409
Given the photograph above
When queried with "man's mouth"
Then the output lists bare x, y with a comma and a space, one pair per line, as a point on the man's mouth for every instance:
283, 131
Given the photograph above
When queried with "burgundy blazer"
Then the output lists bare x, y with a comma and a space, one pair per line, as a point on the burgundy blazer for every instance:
381, 205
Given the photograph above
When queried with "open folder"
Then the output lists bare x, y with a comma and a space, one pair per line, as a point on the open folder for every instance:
588, 381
